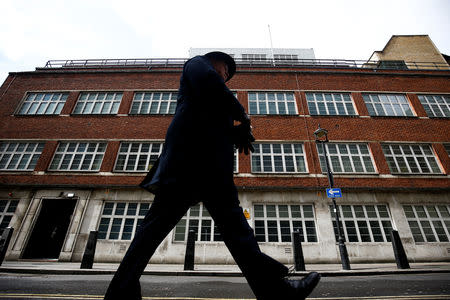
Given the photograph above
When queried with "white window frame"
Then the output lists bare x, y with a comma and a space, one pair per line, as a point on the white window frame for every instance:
133, 153
98, 103
7, 209
154, 103
259, 156
77, 153
43, 103
436, 105
345, 210
269, 103
286, 57
291, 214
430, 233
200, 215
19, 156
254, 57
336, 158
388, 105
407, 156
330, 104
114, 218
236, 161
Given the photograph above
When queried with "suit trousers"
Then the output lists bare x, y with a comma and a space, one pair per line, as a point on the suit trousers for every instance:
263, 273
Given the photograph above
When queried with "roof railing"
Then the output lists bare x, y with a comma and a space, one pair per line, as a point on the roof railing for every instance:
318, 63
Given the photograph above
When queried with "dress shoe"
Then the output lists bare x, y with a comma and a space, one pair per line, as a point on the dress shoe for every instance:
300, 289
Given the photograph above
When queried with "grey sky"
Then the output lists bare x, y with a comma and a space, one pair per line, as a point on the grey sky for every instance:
32, 32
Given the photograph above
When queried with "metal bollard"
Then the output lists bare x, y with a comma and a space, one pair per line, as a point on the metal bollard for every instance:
190, 251
399, 252
89, 252
4, 242
298, 252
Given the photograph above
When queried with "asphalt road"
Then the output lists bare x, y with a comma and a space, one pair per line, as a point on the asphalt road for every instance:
404, 287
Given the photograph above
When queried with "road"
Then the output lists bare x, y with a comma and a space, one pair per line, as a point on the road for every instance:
386, 287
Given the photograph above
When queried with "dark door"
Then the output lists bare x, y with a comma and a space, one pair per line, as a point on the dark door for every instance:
50, 229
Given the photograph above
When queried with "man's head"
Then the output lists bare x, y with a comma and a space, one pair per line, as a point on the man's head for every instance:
223, 64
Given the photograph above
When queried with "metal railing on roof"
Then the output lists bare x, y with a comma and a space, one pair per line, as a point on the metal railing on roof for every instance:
317, 63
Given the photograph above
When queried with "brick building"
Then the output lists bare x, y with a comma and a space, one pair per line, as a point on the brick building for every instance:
76, 137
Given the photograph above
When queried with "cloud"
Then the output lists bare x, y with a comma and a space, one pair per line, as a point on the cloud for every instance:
36, 31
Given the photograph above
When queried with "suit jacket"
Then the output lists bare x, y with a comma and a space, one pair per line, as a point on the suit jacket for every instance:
198, 148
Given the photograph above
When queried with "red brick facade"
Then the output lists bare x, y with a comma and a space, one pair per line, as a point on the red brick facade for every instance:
299, 128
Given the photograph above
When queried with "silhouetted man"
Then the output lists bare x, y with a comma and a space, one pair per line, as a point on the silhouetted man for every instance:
196, 165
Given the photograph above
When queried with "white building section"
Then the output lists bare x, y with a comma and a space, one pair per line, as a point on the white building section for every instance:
260, 54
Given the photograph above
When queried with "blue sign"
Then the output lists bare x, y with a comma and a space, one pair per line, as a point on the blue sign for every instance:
334, 193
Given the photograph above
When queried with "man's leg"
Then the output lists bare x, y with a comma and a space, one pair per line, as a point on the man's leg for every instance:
164, 213
264, 274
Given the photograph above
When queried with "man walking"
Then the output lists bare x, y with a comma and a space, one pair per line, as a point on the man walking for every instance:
196, 165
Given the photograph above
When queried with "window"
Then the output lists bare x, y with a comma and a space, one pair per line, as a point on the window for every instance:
330, 104
98, 103
286, 57
236, 161
436, 105
154, 103
275, 223
411, 159
120, 220
43, 104
447, 148
253, 57
7, 209
137, 157
197, 218
428, 223
17, 156
278, 158
347, 158
78, 156
363, 223
272, 103
387, 105
392, 65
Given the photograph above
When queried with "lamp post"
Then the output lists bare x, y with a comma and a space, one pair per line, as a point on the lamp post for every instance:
318, 134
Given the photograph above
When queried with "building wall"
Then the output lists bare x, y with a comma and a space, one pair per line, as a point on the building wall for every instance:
303, 53
413, 48
90, 204
93, 189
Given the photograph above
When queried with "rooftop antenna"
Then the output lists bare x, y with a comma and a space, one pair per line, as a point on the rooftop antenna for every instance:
271, 45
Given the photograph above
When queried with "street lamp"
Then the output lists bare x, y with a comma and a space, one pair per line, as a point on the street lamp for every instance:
321, 136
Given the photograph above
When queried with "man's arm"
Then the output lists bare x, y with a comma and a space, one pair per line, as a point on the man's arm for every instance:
207, 85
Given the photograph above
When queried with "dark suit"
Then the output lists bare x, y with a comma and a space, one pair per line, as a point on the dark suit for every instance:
196, 165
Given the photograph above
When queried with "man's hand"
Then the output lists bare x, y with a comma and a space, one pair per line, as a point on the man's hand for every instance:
243, 136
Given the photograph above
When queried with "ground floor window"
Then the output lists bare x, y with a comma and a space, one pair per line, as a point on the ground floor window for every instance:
275, 223
363, 223
7, 209
120, 220
429, 223
197, 218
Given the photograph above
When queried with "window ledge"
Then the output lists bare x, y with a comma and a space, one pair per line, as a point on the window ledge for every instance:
395, 117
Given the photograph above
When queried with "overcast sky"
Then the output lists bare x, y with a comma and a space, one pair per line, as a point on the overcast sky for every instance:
32, 32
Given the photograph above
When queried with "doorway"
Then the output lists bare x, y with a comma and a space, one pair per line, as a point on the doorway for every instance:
50, 229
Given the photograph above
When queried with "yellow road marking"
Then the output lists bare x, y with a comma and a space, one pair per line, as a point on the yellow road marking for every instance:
94, 297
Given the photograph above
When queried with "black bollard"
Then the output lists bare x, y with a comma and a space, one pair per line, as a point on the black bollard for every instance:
399, 252
89, 252
298, 252
190, 251
4, 242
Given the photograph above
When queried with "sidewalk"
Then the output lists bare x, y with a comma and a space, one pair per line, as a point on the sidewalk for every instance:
73, 268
